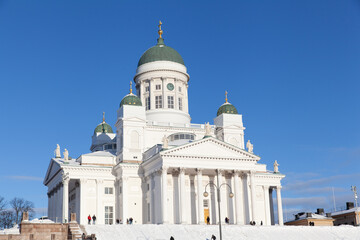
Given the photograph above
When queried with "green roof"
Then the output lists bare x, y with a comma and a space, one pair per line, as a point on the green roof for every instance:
227, 108
160, 52
131, 99
103, 128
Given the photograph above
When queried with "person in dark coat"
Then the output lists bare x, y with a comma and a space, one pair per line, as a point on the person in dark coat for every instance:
172, 238
94, 219
213, 237
208, 220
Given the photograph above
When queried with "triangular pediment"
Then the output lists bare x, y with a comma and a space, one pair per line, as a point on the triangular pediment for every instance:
53, 168
211, 148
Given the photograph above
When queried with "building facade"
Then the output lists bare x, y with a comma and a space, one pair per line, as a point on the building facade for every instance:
157, 165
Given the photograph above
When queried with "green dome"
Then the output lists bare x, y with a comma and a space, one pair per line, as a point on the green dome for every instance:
227, 108
131, 99
160, 52
103, 128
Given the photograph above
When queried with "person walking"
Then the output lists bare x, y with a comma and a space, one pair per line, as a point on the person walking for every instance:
94, 219
172, 238
89, 219
213, 237
208, 220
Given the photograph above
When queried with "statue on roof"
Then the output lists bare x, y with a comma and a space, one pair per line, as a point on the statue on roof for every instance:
165, 142
57, 151
66, 155
276, 167
250, 146
207, 129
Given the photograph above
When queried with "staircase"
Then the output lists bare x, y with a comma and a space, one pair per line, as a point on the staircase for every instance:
75, 231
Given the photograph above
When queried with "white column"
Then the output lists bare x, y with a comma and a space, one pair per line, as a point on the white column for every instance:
164, 191
182, 196
124, 198
99, 207
253, 196
267, 206
151, 217
279, 205
238, 199
65, 200
223, 196
200, 199
83, 200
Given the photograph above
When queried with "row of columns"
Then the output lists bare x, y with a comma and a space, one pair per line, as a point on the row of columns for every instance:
58, 201
237, 189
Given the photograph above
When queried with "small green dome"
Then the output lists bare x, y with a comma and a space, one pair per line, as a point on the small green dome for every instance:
131, 99
103, 128
227, 108
160, 52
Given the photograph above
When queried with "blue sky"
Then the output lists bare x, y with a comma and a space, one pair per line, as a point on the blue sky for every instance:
290, 67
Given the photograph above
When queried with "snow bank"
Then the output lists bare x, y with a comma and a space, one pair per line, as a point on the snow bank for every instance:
230, 232
13, 230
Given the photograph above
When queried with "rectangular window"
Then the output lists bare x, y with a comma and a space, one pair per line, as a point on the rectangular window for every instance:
109, 215
158, 87
147, 89
148, 211
180, 104
158, 101
179, 89
170, 101
147, 103
108, 190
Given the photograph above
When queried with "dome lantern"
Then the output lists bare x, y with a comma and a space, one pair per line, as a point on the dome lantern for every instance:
160, 52
103, 127
131, 99
227, 107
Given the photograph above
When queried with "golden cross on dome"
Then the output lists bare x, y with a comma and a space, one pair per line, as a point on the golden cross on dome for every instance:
103, 117
130, 87
226, 99
160, 32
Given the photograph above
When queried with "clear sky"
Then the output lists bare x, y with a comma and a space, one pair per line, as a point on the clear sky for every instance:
291, 68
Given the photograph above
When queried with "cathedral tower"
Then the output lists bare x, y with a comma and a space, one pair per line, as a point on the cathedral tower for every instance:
162, 84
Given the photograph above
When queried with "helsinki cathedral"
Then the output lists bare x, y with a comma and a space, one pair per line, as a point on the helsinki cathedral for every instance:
157, 167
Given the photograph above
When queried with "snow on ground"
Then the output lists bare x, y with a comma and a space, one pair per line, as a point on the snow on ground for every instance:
230, 232
13, 230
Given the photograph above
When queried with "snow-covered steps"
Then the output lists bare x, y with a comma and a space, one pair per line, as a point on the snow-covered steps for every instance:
230, 232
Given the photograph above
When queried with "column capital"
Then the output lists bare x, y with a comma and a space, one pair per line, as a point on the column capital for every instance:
265, 186
99, 181
220, 171
175, 172
278, 187
83, 180
164, 169
182, 170
199, 170
237, 172
65, 178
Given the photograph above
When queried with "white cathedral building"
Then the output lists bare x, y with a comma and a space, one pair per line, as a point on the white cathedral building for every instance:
157, 165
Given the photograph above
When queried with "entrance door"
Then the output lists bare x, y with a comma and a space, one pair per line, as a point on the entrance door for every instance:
206, 214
